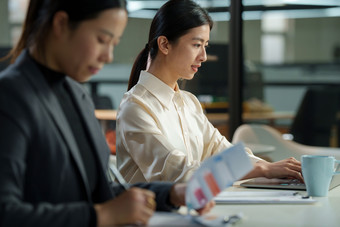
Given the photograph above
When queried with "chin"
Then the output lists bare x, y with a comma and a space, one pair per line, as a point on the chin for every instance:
84, 79
190, 77
81, 78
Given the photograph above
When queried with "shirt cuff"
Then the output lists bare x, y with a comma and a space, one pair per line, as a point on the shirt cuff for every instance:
93, 217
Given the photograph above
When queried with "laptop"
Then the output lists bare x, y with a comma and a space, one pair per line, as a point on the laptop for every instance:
287, 184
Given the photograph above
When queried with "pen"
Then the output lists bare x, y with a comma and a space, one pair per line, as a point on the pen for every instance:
302, 196
119, 177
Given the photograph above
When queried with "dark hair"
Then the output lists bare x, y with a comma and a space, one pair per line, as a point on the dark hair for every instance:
173, 20
41, 12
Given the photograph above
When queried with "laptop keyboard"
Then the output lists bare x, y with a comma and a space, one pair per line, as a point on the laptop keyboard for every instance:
293, 182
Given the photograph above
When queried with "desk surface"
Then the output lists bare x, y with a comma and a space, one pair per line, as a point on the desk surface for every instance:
106, 114
213, 117
216, 118
325, 212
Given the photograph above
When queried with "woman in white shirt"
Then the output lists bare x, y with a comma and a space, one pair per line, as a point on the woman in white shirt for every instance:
162, 131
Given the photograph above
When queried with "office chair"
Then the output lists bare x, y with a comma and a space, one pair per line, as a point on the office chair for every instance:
316, 116
266, 135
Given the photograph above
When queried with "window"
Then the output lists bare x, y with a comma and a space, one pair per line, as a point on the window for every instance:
17, 12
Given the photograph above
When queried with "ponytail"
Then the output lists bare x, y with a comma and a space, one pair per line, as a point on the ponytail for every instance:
29, 30
139, 65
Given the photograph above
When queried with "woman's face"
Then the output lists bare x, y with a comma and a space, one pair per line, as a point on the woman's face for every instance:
188, 52
90, 46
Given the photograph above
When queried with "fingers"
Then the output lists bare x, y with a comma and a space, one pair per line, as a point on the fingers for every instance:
150, 203
291, 168
149, 199
144, 217
148, 207
148, 193
287, 168
294, 166
294, 174
177, 194
206, 208
143, 207
134, 206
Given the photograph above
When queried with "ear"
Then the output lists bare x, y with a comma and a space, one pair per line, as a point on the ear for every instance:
163, 44
60, 23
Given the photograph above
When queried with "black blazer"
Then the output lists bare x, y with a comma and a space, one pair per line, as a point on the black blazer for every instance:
42, 176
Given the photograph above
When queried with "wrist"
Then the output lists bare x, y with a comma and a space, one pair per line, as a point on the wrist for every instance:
172, 196
257, 171
177, 195
100, 213
261, 168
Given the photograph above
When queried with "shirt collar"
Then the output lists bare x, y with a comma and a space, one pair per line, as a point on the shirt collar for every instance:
158, 88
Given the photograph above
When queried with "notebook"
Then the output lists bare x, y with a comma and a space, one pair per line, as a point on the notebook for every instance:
287, 184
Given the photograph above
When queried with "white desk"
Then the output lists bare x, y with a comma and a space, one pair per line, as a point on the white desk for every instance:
326, 212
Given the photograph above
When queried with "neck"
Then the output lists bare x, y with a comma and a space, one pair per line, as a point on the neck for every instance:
159, 69
43, 54
37, 55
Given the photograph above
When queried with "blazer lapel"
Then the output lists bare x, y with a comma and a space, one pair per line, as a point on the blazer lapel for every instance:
54, 109
102, 152
85, 105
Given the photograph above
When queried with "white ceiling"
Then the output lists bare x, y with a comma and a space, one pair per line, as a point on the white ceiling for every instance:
253, 9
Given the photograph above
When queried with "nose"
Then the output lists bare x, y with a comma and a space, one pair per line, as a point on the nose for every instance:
107, 55
203, 55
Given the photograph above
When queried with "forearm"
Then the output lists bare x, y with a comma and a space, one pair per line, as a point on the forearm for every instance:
258, 170
155, 158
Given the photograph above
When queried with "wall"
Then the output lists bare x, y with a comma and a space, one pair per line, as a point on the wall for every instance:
315, 39
130, 46
133, 40
4, 26
251, 37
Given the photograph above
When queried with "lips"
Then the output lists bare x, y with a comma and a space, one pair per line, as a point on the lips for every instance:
195, 67
94, 70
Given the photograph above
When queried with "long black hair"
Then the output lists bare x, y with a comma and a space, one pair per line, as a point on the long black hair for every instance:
41, 12
173, 20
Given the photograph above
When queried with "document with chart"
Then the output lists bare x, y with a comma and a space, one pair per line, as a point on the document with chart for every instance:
217, 173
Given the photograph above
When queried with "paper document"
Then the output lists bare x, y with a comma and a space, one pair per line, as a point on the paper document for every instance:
215, 174
251, 197
174, 219
170, 219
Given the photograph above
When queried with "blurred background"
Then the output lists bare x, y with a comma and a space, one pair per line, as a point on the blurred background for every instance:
291, 51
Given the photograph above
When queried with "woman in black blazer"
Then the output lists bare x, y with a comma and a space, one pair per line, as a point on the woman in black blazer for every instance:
53, 155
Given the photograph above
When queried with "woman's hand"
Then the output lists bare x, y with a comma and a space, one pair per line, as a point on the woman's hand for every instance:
135, 206
287, 168
206, 208
177, 198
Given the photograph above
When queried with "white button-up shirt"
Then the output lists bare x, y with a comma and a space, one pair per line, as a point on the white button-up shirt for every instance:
163, 134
